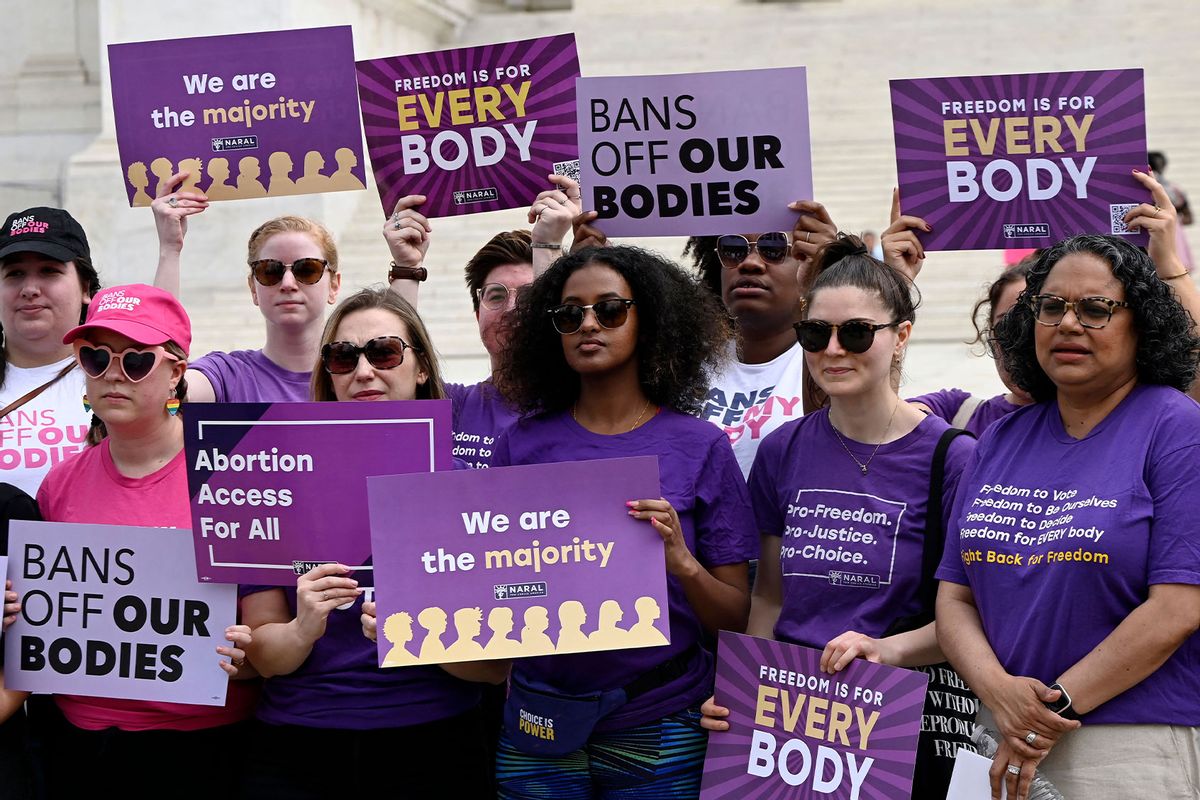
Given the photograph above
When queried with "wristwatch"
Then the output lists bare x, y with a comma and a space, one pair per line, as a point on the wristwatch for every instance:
1063, 705
398, 273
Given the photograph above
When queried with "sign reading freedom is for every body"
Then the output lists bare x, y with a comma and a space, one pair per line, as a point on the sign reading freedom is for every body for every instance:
1015, 161
705, 153
279, 488
517, 561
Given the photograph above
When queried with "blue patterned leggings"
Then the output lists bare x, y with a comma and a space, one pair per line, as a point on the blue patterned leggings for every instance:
661, 759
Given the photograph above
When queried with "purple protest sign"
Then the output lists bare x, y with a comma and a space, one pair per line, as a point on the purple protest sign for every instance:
1016, 161
114, 611
248, 115
473, 129
279, 488
797, 732
704, 153
544, 556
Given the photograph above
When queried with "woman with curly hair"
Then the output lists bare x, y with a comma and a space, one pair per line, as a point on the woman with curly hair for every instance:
609, 354
1071, 579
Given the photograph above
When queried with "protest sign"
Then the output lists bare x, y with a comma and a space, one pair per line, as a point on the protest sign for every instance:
114, 611
278, 488
705, 153
1017, 161
798, 732
247, 115
545, 556
473, 129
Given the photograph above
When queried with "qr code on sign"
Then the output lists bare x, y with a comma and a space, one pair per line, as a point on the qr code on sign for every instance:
568, 168
1116, 215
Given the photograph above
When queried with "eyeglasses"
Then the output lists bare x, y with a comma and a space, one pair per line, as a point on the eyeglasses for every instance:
1092, 312
382, 352
136, 362
494, 296
568, 318
854, 336
733, 248
270, 271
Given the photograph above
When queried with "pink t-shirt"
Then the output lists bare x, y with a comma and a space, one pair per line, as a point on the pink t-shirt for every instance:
88, 488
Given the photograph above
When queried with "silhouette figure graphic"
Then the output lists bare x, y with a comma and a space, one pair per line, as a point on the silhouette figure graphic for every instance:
397, 629
161, 169
343, 177
571, 617
433, 620
218, 186
281, 167
194, 168
248, 184
313, 180
643, 633
500, 621
467, 623
534, 641
609, 636
139, 180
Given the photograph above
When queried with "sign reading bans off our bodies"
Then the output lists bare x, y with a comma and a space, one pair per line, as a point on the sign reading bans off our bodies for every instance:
473, 129
705, 153
114, 611
517, 561
798, 732
246, 115
1016, 161
278, 488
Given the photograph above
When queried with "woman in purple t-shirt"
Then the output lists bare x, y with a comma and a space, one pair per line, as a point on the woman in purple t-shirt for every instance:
610, 349
1071, 578
324, 693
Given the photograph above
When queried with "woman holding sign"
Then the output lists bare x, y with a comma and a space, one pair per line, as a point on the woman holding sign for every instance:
1071, 580
849, 498
133, 350
610, 350
324, 692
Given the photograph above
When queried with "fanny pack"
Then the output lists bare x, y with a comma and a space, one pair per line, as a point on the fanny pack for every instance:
541, 720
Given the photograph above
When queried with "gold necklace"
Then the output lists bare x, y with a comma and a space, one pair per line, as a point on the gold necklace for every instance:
633, 427
861, 465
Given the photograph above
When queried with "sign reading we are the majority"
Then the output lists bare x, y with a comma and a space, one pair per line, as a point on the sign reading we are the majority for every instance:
472, 129
517, 561
246, 115
1015, 161
798, 732
278, 488
114, 611
703, 153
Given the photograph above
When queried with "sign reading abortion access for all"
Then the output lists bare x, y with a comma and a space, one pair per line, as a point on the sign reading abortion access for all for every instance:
517, 561
473, 129
114, 611
279, 488
798, 732
247, 115
705, 153
1014, 161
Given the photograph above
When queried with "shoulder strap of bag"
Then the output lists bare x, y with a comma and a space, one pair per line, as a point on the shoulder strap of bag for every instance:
32, 393
935, 532
966, 411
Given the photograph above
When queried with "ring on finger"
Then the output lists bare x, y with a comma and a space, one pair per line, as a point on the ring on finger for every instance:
396, 226
325, 595
807, 236
1030, 738
1014, 769
173, 201
237, 662
1156, 210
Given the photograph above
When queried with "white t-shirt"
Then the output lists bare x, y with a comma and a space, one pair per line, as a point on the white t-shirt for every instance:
748, 401
44, 431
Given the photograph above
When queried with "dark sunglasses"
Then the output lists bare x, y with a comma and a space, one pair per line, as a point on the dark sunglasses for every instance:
382, 352
137, 363
854, 336
733, 248
270, 271
568, 318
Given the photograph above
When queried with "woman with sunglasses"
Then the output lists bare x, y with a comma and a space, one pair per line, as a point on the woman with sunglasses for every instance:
610, 351
133, 350
842, 495
760, 386
293, 276
324, 693
1079, 602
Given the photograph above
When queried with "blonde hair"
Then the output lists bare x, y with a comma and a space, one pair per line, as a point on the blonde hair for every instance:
418, 338
292, 224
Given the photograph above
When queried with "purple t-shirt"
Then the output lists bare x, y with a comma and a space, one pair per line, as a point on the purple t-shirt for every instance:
947, 402
480, 413
1060, 540
248, 376
700, 477
850, 544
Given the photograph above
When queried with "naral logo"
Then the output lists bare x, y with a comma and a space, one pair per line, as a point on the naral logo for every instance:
475, 196
865, 580
511, 591
224, 143
1029, 230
